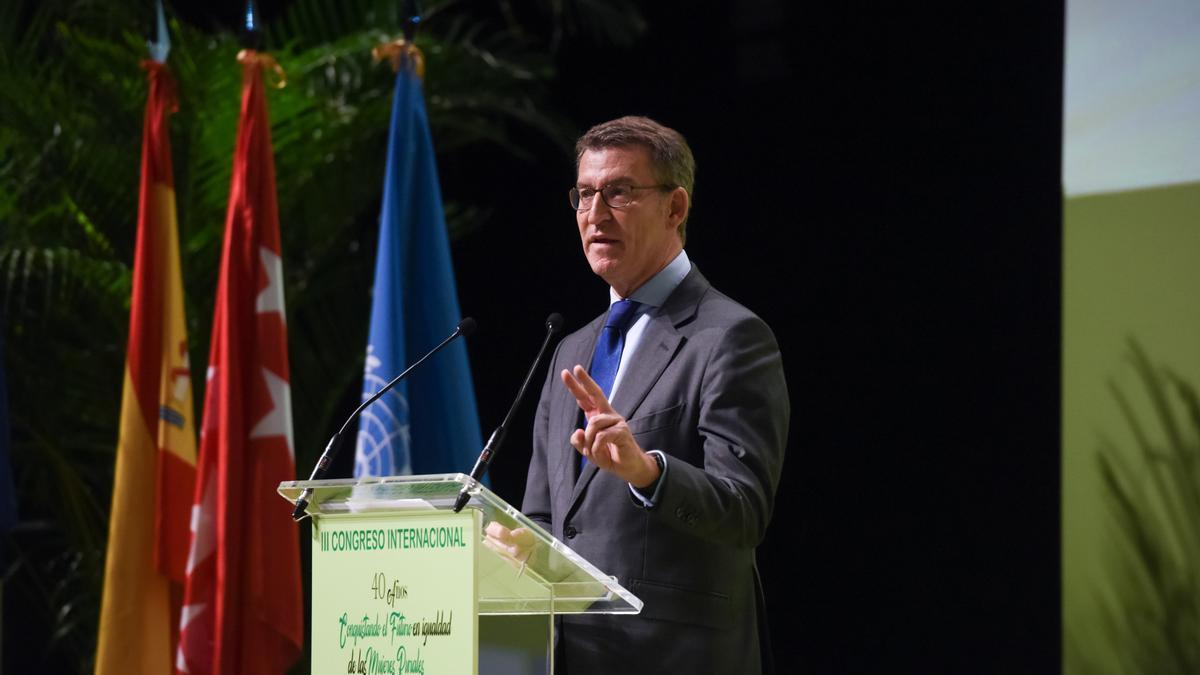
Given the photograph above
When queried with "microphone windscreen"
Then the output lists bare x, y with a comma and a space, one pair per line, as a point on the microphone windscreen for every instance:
554, 322
466, 327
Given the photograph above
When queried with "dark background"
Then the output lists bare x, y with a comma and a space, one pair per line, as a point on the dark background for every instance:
882, 184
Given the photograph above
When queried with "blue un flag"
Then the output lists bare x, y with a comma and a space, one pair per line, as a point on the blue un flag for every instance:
427, 424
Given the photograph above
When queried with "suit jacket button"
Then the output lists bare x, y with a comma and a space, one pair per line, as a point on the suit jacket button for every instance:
680, 513
570, 532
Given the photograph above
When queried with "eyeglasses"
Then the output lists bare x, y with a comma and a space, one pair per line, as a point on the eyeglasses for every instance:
616, 196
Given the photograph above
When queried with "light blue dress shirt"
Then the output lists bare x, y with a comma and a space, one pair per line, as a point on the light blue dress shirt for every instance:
651, 295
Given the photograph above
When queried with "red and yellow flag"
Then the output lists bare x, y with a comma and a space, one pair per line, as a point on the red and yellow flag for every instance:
243, 604
156, 448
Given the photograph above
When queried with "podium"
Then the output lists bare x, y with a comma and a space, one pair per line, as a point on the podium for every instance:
401, 583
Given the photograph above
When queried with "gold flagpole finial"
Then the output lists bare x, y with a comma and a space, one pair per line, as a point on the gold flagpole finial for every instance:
250, 56
398, 52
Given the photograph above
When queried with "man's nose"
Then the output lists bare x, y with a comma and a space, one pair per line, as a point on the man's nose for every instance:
599, 210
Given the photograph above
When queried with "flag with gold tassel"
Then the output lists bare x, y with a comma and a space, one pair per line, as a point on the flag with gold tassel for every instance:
156, 448
429, 423
243, 605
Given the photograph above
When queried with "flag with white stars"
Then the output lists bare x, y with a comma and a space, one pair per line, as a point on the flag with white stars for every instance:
243, 604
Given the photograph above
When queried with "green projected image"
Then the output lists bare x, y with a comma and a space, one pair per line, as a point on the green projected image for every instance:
1131, 337
1131, 431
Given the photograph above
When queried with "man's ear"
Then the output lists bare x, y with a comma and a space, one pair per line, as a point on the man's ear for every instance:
677, 206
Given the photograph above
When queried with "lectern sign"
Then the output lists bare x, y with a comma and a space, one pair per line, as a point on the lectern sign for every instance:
394, 595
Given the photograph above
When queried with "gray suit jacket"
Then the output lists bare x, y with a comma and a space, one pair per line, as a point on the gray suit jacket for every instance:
705, 387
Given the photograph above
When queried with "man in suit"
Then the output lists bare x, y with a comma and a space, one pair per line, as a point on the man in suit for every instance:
660, 460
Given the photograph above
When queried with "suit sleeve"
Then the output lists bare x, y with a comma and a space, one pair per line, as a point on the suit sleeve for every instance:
743, 423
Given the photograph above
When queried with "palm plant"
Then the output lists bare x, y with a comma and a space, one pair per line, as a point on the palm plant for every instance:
71, 97
1154, 496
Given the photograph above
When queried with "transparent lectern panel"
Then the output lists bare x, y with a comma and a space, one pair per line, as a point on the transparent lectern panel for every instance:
538, 575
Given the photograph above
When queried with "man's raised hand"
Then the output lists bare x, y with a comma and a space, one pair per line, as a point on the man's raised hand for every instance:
607, 441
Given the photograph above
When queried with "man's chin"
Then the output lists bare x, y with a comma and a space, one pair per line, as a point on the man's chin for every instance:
604, 267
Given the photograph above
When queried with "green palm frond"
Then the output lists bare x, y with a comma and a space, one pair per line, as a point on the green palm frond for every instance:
73, 94
1153, 495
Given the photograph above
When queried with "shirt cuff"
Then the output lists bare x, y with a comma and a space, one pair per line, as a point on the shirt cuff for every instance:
652, 499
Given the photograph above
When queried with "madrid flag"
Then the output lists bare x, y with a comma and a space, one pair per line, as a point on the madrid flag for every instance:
243, 609
156, 447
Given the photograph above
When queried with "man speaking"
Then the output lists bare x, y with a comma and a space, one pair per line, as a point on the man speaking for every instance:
659, 460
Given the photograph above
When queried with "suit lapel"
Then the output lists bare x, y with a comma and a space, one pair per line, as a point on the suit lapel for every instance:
654, 354
566, 419
659, 344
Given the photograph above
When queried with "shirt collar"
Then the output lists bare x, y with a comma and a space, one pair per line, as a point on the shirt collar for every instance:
655, 292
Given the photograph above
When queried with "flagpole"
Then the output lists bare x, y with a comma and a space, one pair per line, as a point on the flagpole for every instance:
412, 17
428, 424
252, 37
244, 598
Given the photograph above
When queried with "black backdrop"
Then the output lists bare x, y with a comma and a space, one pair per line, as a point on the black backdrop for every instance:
881, 184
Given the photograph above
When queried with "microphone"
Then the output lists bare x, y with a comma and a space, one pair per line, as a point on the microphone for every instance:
553, 325
465, 328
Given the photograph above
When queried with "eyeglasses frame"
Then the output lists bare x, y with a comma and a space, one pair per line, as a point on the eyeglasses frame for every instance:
574, 196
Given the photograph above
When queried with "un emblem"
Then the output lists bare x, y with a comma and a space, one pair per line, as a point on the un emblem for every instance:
382, 447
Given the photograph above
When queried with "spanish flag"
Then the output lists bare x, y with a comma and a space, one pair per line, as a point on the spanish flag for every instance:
148, 531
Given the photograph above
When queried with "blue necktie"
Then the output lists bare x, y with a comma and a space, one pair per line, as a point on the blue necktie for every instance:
607, 357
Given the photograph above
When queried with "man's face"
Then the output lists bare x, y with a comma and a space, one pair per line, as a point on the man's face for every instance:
627, 246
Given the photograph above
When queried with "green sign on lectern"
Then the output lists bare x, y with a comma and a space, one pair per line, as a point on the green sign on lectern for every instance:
396, 596
399, 581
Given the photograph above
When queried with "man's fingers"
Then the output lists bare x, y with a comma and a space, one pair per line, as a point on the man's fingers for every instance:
596, 445
577, 442
599, 450
517, 544
599, 423
587, 393
607, 446
582, 397
523, 536
501, 538
594, 392
497, 531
